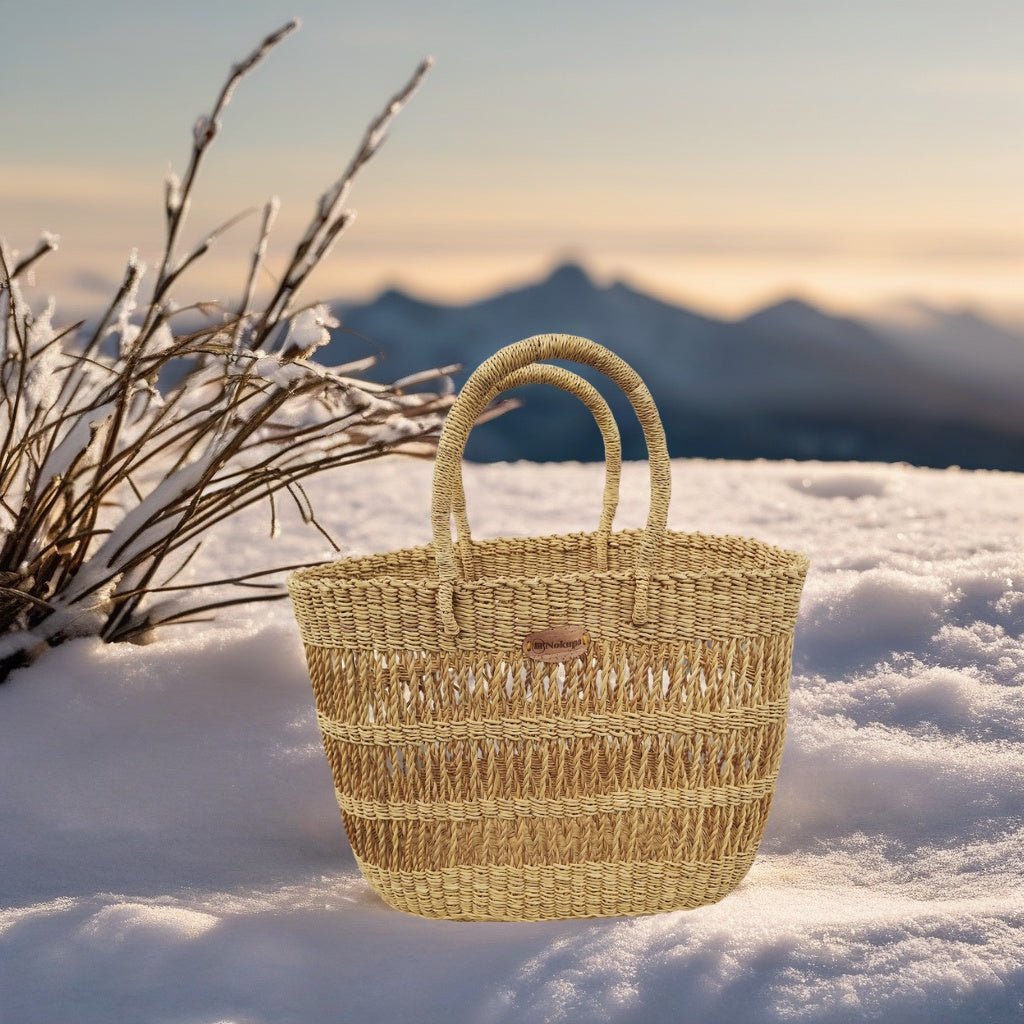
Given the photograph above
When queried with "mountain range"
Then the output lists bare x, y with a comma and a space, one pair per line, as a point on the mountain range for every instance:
789, 381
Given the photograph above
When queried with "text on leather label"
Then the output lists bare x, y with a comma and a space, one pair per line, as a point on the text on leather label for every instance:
561, 643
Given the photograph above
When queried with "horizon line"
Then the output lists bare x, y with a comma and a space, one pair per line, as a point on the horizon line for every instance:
91, 291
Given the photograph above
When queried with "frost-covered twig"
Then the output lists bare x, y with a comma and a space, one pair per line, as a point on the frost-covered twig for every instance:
110, 479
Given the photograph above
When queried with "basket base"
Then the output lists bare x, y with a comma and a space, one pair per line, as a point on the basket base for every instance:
556, 892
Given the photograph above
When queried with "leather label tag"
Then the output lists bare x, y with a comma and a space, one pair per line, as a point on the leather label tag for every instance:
561, 643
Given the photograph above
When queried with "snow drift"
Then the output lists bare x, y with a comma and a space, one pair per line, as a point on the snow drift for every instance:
172, 850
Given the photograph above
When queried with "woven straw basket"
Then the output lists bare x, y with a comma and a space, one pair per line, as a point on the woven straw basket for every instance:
531, 728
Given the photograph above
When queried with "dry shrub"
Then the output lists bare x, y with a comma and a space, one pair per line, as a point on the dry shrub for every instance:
110, 478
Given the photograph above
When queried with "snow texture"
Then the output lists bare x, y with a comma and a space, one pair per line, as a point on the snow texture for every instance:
172, 852
310, 330
75, 443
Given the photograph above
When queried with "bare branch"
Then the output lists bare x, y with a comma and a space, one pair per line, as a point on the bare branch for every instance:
47, 244
205, 132
330, 216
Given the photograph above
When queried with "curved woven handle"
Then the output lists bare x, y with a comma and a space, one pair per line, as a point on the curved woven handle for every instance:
471, 402
545, 373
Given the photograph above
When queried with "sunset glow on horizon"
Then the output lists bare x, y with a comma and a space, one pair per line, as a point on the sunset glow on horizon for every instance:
719, 155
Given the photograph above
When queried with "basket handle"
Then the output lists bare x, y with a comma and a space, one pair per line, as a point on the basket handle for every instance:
471, 402
545, 373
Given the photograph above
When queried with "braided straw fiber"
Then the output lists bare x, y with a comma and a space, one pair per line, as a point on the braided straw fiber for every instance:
632, 777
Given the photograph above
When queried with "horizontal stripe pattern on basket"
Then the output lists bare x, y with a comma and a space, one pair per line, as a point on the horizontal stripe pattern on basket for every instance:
715, 587
476, 783
556, 892
622, 723
548, 807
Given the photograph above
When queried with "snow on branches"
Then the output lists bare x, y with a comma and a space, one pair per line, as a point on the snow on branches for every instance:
122, 444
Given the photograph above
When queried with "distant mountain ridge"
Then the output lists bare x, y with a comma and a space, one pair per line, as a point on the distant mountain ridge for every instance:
789, 381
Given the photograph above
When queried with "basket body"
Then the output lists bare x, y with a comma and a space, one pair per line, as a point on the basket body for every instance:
634, 776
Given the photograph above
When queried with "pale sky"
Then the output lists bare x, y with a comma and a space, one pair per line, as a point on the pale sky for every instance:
720, 153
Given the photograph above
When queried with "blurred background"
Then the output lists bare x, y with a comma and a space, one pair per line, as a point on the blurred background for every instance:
802, 220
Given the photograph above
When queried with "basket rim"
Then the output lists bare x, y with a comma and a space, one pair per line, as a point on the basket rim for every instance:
331, 575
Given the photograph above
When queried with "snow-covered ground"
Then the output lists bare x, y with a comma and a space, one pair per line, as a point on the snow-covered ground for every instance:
170, 848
